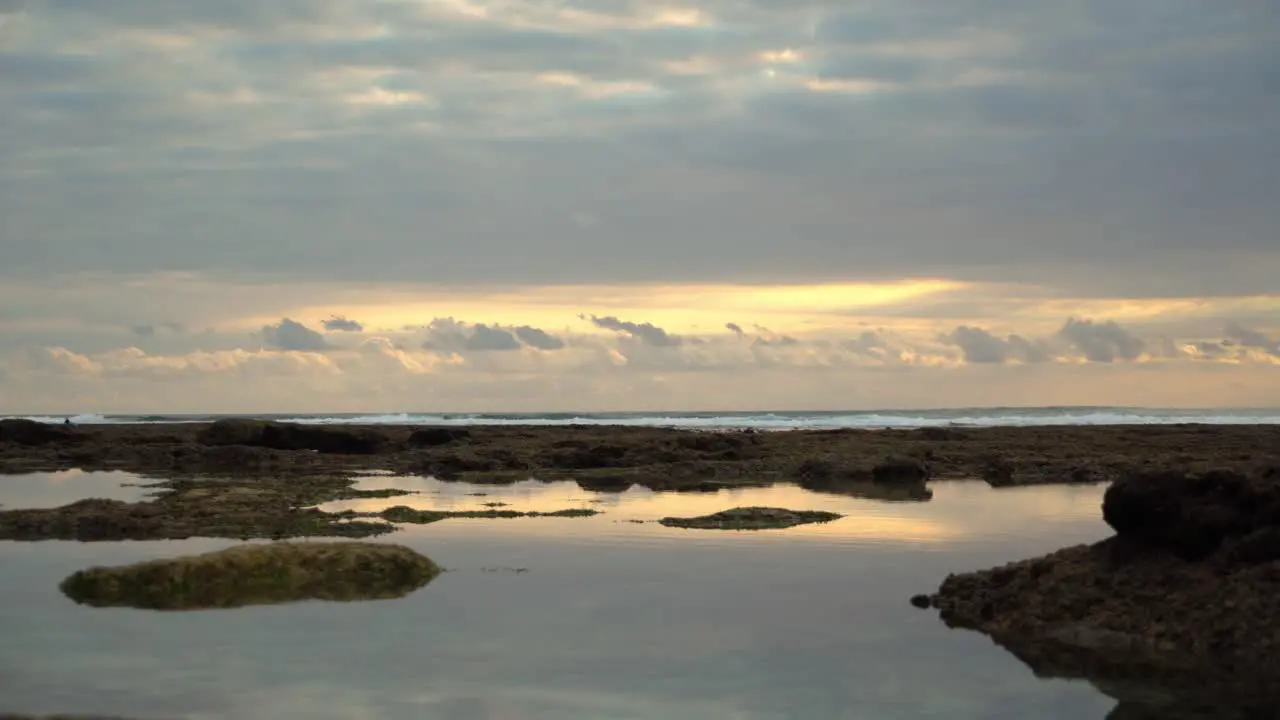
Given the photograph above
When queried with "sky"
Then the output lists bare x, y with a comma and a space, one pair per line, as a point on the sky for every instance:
537, 205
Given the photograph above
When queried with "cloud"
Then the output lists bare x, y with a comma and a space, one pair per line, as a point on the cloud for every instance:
339, 323
449, 335
1102, 342
734, 328
980, 346
538, 339
292, 335
644, 332
1245, 337
880, 139
484, 338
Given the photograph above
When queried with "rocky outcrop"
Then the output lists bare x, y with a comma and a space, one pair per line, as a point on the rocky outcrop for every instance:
751, 518
1190, 579
1192, 516
31, 433
257, 575
285, 436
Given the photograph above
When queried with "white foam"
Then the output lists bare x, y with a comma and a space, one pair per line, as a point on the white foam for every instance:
995, 417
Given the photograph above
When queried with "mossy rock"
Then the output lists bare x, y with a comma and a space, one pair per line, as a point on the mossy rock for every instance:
257, 575
752, 518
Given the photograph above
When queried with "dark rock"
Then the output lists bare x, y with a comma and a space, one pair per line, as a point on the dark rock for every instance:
436, 436
590, 457
605, 484
921, 601
998, 472
941, 434
31, 433
1189, 515
898, 470
284, 436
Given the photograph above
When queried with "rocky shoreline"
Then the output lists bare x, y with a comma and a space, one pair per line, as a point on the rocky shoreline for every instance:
1185, 596
257, 479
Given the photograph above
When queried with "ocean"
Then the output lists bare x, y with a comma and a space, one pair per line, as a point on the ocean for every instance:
765, 420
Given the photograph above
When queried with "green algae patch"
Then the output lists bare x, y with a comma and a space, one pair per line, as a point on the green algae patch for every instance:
405, 514
266, 574
752, 518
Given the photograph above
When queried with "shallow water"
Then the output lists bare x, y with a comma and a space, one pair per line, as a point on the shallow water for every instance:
575, 618
55, 489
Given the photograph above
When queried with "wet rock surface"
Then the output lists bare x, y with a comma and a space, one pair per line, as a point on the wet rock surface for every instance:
751, 518
1187, 587
258, 574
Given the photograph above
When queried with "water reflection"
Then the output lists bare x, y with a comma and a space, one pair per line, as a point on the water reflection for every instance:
1193, 692
32, 491
972, 511
612, 620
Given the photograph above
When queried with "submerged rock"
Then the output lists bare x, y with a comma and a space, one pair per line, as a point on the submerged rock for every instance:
1189, 580
752, 518
406, 514
257, 575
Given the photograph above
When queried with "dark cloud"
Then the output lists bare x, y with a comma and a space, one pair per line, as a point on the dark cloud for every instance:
339, 323
980, 346
1031, 351
242, 129
292, 335
868, 342
647, 333
1209, 350
1239, 335
1102, 342
538, 338
485, 338
449, 335
144, 331
734, 328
